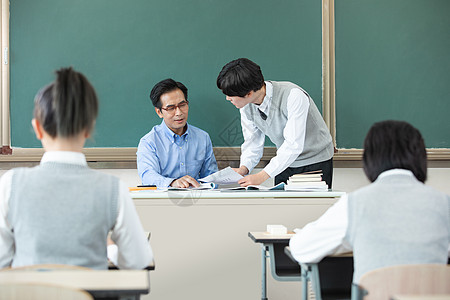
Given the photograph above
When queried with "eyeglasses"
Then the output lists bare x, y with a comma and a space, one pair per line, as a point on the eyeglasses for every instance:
172, 108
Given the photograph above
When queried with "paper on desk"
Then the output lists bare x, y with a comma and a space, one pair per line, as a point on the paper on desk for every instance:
224, 176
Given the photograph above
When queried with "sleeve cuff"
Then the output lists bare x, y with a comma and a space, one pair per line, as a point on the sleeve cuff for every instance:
167, 181
270, 170
248, 164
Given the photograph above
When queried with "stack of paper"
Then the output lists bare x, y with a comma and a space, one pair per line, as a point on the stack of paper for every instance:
310, 181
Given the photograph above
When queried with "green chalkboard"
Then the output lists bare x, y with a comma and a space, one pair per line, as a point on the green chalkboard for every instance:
392, 62
125, 47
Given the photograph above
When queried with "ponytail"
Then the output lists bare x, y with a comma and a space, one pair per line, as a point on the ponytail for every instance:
67, 106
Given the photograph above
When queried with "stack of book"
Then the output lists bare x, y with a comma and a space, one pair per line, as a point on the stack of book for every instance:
310, 181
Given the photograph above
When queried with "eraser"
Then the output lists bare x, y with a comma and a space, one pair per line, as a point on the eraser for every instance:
276, 229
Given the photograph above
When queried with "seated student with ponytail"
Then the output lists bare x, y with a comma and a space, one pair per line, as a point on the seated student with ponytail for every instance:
61, 211
395, 220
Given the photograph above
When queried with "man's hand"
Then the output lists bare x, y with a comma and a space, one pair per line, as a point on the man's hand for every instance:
185, 182
255, 179
242, 170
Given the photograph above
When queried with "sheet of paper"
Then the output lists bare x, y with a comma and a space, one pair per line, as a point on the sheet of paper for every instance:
224, 176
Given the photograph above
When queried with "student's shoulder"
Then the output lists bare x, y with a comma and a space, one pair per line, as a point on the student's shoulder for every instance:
7, 176
284, 85
17, 172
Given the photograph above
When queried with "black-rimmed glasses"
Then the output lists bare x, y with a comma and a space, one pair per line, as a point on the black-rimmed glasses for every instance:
172, 108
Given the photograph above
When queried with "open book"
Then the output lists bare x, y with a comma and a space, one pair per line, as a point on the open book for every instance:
278, 187
203, 186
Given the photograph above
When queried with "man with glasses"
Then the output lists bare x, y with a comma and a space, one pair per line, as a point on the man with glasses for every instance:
174, 153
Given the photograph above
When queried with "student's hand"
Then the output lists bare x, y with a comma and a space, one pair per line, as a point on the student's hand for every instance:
255, 179
242, 170
185, 182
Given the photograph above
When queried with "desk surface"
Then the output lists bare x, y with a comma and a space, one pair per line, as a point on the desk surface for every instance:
217, 194
123, 281
265, 237
216, 197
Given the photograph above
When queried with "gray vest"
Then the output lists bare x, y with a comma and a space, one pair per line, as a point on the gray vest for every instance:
318, 145
61, 213
397, 220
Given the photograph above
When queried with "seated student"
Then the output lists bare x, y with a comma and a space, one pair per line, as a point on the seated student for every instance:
61, 211
174, 153
285, 113
395, 220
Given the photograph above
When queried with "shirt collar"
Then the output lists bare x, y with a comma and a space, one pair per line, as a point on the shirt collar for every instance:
396, 172
265, 105
172, 135
67, 157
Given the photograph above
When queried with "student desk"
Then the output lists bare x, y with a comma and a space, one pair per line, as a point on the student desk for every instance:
100, 284
282, 267
200, 242
335, 271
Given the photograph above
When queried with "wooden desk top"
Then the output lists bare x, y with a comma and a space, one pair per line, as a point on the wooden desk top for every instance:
119, 282
265, 237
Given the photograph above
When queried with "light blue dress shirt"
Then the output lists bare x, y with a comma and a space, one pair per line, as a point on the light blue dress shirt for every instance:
164, 156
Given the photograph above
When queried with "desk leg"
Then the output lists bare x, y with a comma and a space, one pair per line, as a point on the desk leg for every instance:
264, 256
304, 275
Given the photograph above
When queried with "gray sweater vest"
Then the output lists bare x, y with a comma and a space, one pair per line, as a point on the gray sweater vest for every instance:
61, 213
397, 220
318, 145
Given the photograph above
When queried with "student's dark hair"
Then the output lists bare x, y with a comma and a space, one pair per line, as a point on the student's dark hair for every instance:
67, 106
239, 77
394, 145
165, 86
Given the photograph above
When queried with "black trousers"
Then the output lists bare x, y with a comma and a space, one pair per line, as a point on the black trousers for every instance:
325, 166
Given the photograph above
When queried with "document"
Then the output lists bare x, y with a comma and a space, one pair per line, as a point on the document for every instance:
224, 176
278, 187
203, 186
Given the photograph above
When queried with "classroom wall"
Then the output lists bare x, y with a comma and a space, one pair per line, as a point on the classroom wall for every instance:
344, 179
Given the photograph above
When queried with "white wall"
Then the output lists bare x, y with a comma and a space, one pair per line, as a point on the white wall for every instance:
344, 179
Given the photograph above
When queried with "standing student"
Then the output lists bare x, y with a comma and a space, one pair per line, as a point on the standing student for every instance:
395, 220
61, 211
174, 153
286, 114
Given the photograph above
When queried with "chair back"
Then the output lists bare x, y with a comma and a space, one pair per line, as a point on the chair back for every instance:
421, 279
35, 291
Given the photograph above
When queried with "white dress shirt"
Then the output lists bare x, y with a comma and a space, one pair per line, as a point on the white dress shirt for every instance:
325, 236
133, 252
293, 133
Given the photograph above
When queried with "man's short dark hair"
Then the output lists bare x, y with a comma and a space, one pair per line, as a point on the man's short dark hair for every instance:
239, 77
394, 145
165, 86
